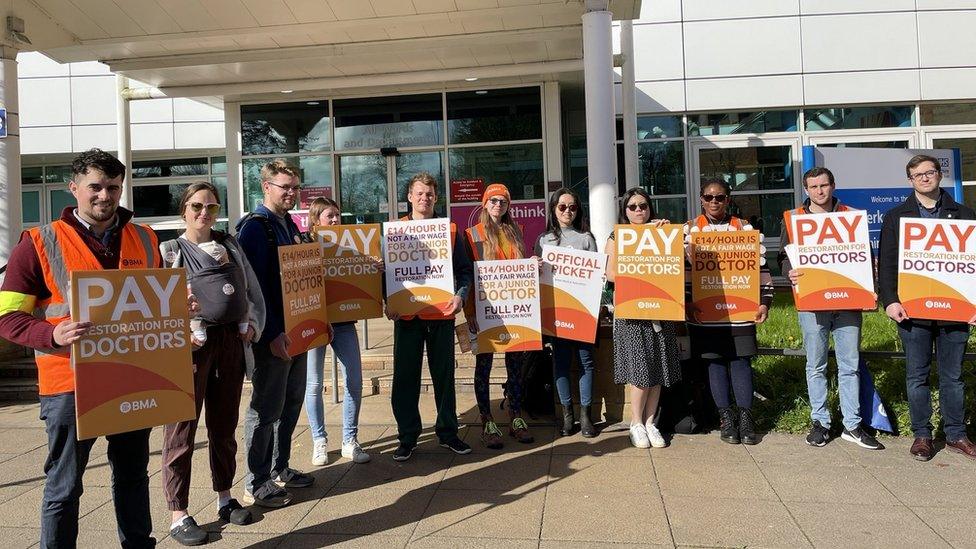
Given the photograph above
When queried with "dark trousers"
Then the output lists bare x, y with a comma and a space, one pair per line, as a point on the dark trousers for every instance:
217, 379
738, 371
409, 339
277, 394
950, 346
513, 383
128, 455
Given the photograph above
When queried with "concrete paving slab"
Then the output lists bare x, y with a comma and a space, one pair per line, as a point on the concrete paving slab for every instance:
26, 469
845, 525
895, 455
481, 514
715, 522
704, 448
616, 442
543, 434
712, 480
827, 484
19, 538
229, 541
361, 512
103, 518
8, 493
557, 544
601, 475
24, 439
422, 471
437, 542
929, 485
310, 541
508, 473
779, 449
25, 509
632, 518
954, 525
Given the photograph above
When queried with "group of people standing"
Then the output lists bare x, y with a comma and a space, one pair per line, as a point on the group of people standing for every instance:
237, 331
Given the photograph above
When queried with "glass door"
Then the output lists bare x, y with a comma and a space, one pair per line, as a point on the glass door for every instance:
373, 187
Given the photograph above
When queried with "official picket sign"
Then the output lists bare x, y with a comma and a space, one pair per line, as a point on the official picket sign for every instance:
350, 261
419, 266
507, 305
133, 369
303, 297
833, 253
725, 275
650, 272
571, 285
936, 264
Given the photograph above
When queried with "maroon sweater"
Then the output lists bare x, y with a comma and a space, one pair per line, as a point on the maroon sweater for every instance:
24, 276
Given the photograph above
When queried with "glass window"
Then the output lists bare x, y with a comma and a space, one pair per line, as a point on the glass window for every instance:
218, 165
363, 187
957, 113
749, 168
316, 171
285, 128
519, 167
59, 199
57, 174
30, 203
969, 195
653, 127
763, 211
967, 149
836, 118
868, 145
674, 210
164, 200
31, 175
660, 167
494, 115
377, 122
176, 167
742, 122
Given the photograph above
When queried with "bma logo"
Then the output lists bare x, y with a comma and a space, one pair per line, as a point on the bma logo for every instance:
420, 298
930, 304
349, 306
134, 406
132, 262
726, 306
648, 305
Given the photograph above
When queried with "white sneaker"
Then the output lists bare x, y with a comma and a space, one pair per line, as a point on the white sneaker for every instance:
638, 436
352, 450
654, 436
320, 452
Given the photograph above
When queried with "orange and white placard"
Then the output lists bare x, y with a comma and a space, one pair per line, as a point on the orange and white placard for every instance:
649, 280
833, 255
353, 282
419, 267
936, 264
507, 305
303, 297
571, 285
133, 369
725, 275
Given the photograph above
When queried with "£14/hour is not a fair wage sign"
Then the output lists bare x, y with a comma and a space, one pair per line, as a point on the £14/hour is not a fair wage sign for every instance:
133, 368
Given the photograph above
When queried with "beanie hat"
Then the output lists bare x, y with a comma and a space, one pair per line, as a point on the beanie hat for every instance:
495, 189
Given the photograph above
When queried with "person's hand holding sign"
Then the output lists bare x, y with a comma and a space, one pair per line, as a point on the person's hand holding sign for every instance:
972, 321
67, 332
896, 312
762, 314
453, 306
279, 347
192, 305
248, 336
794, 276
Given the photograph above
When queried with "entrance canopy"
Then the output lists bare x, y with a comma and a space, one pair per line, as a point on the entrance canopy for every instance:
245, 49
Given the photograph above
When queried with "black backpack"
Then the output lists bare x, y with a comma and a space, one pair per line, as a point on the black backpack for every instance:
538, 391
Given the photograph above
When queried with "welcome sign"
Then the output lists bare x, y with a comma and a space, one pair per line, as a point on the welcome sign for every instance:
133, 369
649, 281
936, 263
419, 266
350, 259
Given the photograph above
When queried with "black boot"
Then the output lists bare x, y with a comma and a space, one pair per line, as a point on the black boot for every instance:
730, 433
747, 427
569, 423
586, 426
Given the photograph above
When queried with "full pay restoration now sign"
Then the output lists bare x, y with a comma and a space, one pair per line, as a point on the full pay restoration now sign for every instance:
936, 263
133, 369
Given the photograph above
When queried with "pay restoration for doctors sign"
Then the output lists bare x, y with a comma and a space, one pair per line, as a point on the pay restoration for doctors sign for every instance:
133, 369
936, 264
353, 282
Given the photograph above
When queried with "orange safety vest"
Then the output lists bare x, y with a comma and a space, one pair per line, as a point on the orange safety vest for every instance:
477, 237
432, 316
702, 221
800, 210
61, 250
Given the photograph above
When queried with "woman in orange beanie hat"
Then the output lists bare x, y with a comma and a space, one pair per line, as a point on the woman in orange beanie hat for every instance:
497, 236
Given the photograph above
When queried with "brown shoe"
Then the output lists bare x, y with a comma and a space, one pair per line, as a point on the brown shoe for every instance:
520, 431
963, 446
922, 449
491, 435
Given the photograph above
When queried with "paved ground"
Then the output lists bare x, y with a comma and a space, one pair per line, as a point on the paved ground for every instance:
558, 492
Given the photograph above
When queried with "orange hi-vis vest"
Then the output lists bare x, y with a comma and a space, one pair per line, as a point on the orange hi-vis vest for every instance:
432, 316
477, 238
702, 221
800, 210
61, 251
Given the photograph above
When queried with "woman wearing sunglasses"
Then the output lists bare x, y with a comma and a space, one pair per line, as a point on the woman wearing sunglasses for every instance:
345, 345
231, 317
566, 228
496, 237
645, 351
727, 348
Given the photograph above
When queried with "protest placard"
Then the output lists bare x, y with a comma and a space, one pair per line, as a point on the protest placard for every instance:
936, 257
303, 297
725, 275
507, 305
571, 285
133, 368
419, 266
350, 260
650, 272
833, 255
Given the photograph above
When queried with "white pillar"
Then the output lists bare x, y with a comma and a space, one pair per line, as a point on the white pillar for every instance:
598, 85
553, 134
123, 136
235, 176
629, 104
11, 215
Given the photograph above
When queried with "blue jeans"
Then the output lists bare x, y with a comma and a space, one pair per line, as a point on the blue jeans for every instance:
846, 327
345, 345
277, 392
562, 360
950, 346
67, 457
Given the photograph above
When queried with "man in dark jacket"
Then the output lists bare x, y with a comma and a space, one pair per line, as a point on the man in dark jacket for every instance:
928, 201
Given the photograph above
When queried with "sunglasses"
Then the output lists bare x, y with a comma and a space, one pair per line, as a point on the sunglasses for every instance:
570, 207
212, 209
714, 197
639, 206
497, 201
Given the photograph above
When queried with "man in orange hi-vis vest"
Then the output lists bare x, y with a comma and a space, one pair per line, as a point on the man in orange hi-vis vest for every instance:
34, 312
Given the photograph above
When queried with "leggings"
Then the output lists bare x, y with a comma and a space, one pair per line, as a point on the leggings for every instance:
739, 370
513, 386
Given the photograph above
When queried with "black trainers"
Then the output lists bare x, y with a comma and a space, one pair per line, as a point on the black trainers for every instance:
861, 438
188, 533
456, 445
234, 513
819, 435
403, 452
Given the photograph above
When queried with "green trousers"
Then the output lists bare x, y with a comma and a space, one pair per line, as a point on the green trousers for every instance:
409, 339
